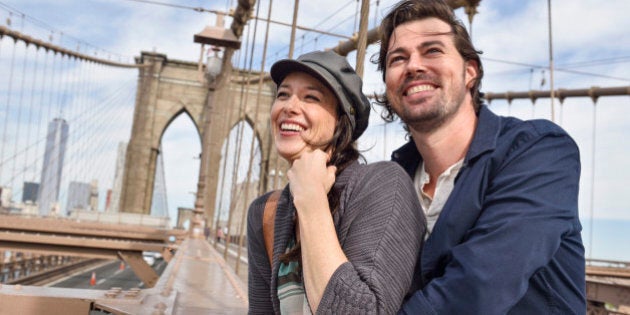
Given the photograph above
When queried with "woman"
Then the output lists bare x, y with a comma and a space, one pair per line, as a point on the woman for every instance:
347, 235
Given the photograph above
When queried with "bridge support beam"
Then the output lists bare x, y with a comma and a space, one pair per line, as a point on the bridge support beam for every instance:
140, 267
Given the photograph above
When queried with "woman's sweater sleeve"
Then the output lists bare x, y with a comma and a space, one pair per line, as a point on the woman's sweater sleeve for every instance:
384, 228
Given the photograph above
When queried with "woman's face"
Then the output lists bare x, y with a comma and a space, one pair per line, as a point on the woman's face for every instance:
303, 115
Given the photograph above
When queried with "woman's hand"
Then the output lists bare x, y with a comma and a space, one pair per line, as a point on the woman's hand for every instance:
310, 181
310, 178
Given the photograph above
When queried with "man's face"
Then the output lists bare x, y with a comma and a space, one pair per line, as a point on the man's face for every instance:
426, 78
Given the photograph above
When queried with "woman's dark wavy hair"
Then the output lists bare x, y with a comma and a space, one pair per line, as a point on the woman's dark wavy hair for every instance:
413, 10
344, 152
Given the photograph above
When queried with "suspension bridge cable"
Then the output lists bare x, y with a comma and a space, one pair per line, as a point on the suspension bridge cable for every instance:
76, 79
30, 113
43, 25
242, 114
55, 158
61, 91
592, 203
90, 148
228, 128
7, 110
40, 113
315, 27
356, 14
261, 77
556, 69
597, 62
375, 23
18, 120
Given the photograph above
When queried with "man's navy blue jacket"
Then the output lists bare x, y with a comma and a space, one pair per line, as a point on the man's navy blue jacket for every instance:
508, 238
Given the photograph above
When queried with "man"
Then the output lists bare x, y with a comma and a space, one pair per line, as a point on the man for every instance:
500, 194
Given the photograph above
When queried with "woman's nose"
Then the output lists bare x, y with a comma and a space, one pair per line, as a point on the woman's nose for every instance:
292, 104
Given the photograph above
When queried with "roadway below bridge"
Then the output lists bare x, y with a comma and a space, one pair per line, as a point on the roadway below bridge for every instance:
107, 275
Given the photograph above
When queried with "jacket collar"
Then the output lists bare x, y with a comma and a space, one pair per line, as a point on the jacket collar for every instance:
485, 139
486, 134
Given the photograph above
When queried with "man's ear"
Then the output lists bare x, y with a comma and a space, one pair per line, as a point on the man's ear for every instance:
472, 69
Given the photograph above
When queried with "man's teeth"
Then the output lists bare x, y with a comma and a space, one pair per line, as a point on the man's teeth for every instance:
291, 127
420, 88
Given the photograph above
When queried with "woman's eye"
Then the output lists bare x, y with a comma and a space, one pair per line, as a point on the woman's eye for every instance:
282, 95
312, 98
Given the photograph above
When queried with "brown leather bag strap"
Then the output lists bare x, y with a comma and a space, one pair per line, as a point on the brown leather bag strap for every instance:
269, 219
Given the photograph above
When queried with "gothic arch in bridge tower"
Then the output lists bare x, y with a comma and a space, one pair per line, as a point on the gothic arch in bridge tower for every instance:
166, 89
169, 88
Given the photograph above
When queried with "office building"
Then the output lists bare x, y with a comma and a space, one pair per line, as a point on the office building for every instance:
29, 192
52, 167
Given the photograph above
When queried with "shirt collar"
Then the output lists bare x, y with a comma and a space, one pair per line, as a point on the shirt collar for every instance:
485, 139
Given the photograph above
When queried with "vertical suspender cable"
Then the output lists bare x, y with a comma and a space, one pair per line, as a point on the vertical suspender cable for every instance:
30, 114
356, 14
293, 27
551, 88
290, 56
251, 147
233, 198
18, 121
376, 13
227, 149
592, 205
7, 112
234, 184
362, 40
40, 115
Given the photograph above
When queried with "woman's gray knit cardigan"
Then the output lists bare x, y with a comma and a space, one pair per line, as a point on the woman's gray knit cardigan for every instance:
380, 227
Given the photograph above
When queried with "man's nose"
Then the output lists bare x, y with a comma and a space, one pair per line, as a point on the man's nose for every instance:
415, 65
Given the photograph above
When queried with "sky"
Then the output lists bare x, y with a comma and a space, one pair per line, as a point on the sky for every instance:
590, 48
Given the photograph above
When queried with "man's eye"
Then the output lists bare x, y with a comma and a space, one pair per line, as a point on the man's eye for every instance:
434, 50
282, 95
395, 59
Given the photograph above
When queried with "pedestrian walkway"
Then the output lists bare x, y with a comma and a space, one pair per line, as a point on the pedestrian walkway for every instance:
197, 280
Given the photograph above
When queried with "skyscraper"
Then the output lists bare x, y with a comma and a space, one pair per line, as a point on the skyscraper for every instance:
29, 192
78, 197
52, 168
159, 205
94, 195
118, 177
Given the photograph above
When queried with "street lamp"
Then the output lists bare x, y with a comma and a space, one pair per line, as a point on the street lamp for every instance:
213, 63
216, 36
